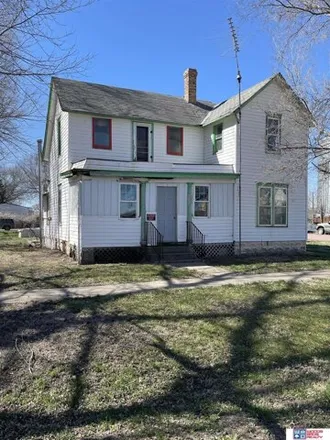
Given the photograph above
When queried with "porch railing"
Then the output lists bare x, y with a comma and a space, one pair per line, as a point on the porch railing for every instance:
154, 239
194, 235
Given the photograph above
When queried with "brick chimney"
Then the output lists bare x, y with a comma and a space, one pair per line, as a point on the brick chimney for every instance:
190, 80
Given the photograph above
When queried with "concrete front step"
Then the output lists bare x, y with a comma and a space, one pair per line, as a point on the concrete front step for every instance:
174, 254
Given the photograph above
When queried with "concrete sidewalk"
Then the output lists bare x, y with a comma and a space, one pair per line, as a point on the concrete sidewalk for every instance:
208, 280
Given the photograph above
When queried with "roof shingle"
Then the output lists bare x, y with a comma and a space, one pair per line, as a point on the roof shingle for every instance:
78, 96
97, 99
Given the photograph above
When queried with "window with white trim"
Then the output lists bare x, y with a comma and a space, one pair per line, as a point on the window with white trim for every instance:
201, 201
272, 205
273, 132
217, 138
128, 200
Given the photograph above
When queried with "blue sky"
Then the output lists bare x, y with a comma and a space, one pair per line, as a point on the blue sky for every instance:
147, 44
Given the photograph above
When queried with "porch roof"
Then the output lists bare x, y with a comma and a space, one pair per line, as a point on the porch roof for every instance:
104, 167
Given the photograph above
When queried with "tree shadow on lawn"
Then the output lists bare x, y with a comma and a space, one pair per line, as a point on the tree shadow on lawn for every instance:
194, 391
311, 258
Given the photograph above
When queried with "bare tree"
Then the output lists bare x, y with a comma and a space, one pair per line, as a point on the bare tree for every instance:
12, 188
297, 27
31, 51
21, 181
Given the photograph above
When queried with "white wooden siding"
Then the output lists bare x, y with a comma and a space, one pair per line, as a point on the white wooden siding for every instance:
260, 166
215, 229
81, 139
222, 200
74, 213
108, 231
100, 197
193, 151
227, 155
101, 225
53, 231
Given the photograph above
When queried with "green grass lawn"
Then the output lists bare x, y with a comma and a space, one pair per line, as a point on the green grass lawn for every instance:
317, 257
22, 267
237, 362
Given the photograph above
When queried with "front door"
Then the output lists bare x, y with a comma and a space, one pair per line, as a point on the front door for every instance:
142, 143
166, 212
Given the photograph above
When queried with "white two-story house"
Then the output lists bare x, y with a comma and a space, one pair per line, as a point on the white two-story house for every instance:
132, 170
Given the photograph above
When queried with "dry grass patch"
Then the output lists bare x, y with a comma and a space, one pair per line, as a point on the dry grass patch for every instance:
22, 267
233, 362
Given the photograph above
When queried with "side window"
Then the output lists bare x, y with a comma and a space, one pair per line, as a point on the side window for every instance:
272, 205
128, 200
175, 141
102, 133
273, 132
45, 204
217, 138
202, 201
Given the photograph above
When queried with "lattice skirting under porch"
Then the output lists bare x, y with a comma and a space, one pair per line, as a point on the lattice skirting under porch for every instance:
111, 255
213, 251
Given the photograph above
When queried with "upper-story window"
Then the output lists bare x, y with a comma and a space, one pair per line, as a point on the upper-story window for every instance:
59, 136
217, 138
102, 133
273, 132
175, 141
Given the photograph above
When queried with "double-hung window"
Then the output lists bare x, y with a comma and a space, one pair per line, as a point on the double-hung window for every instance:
175, 141
273, 132
217, 138
128, 200
102, 133
201, 201
272, 205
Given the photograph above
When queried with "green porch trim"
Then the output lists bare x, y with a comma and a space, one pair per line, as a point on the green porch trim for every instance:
148, 174
143, 209
189, 201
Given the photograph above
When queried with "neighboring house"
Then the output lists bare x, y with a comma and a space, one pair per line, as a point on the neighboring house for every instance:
11, 209
131, 168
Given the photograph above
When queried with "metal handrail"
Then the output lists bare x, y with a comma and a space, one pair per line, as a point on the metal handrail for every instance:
194, 235
154, 238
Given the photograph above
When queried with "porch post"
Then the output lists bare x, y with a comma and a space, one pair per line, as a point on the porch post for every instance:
189, 208
143, 210
189, 201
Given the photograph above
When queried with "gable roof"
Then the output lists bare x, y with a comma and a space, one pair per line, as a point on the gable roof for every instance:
229, 106
97, 99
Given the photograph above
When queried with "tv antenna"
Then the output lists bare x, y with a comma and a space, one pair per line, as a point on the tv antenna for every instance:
238, 118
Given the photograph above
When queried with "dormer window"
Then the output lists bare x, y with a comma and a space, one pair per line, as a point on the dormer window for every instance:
217, 138
273, 132
102, 133
175, 141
